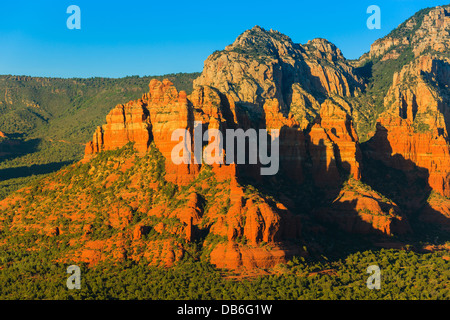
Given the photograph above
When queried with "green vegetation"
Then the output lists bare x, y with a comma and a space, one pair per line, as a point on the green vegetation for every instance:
359, 187
404, 275
378, 74
69, 109
49, 120
261, 47
379, 77
421, 127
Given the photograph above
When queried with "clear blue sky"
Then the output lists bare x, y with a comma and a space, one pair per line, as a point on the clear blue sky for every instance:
120, 38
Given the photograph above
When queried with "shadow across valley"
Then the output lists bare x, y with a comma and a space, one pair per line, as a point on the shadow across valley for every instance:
14, 148
33, 170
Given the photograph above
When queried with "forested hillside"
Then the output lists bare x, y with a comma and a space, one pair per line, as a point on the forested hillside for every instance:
46, 122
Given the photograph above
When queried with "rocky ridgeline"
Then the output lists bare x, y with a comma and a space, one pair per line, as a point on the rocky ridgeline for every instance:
262, 65
428, 30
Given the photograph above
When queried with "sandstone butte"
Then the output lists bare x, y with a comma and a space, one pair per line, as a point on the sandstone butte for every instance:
330, 147
310, 93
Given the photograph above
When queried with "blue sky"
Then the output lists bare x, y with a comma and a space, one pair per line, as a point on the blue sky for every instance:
124, 38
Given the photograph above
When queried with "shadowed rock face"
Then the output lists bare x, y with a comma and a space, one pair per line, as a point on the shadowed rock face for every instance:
396, 139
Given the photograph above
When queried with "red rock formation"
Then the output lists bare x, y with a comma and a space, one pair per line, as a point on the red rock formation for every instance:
412, 97
399, 146
250, 218
125, 123
153, 118
257, 224
234, 256
333, 146
292, 141
413, 131
321, 148
362, 211
169, 111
